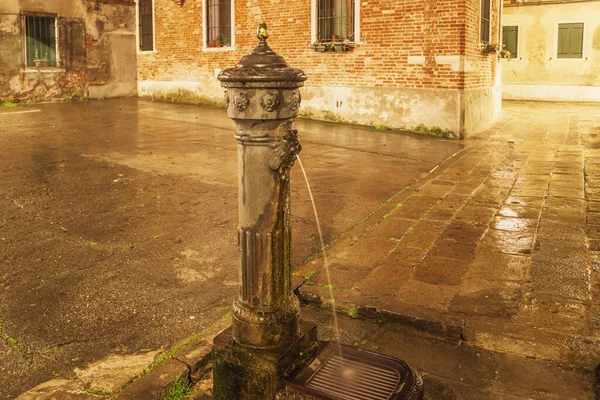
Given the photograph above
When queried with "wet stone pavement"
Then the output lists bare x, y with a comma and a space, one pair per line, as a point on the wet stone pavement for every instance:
475, 261
118, 224
499, 247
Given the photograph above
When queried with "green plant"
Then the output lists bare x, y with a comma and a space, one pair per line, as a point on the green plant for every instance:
504, 53
332, 287
381, 128
8, 103
223, 40
180, 390
434, 130
353, 312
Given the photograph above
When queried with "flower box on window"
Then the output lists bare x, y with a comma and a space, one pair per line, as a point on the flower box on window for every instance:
489, 48
331, 46
340, 47
320, 47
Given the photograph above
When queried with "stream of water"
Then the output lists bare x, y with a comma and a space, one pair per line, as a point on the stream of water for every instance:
325, 261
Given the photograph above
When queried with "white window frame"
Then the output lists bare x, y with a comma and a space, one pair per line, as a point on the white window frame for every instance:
314, 27
137, 28
583, 52
519, 56
205, 33
490, 19
59, 65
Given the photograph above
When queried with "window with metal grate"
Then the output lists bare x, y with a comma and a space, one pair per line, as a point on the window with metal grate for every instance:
146, 25
218, 23
336, 20
40, 41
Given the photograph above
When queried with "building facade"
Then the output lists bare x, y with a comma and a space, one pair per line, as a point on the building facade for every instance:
58, 49
555, 48
409, 64
419, 65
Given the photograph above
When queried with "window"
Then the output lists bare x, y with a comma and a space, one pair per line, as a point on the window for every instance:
570, 40
40, 41
146, 25
510, 40
486, 17
218, 23
336, 20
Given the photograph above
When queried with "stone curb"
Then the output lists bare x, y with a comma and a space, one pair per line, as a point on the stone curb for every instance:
575, 351
426, 320
189, 364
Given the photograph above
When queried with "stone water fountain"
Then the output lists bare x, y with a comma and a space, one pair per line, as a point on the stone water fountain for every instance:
268, 346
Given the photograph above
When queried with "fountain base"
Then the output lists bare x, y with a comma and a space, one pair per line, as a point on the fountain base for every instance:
247, 373
344, 373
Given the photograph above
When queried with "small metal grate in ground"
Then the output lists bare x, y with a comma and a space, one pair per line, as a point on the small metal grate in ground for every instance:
347, 378
339, 372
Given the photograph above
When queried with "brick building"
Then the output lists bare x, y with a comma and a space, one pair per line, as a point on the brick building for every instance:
555, 48
410, 64
413, 64
57, 49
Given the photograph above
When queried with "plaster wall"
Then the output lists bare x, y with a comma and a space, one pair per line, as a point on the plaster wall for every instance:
404, 108
88, 55
536, 73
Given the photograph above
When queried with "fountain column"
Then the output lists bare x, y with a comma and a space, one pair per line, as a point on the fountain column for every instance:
266, 339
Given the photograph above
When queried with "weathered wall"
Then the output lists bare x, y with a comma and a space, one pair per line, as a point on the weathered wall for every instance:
537, 73
82, 50
412, 59
111, 49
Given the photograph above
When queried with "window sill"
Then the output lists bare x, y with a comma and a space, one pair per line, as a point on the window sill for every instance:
569, 60
218, 49
326, 48
46, 70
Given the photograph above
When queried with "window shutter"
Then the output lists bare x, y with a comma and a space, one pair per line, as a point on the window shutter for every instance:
563, 41
510, 39
570, 40
576, 41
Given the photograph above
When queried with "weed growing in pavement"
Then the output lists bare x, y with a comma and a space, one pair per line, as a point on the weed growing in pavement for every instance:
353, 312
382, 128
14, 343
179, 391
434, 130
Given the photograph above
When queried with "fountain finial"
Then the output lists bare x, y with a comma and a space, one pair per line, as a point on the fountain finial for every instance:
262, 33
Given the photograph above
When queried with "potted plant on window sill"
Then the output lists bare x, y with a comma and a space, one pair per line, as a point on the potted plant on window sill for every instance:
319, 46
489, 48
340, 46
40, 62
223, 40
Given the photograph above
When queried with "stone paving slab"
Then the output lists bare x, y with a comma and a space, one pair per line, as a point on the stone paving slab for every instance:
506, 232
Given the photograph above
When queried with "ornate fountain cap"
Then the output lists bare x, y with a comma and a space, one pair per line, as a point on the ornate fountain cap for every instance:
262, 65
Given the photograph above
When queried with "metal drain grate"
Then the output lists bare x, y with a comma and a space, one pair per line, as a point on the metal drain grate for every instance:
351, 379
345, 373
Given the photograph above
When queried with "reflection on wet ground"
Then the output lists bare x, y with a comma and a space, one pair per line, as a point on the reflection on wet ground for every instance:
501, 242
119, 219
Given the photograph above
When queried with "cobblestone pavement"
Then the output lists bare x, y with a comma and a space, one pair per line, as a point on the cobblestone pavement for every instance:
499, 246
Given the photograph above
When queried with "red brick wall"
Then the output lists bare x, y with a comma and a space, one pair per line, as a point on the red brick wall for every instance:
391, 30
483, 67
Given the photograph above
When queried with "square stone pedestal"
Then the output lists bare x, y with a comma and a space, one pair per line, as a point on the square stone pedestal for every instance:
257, 374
